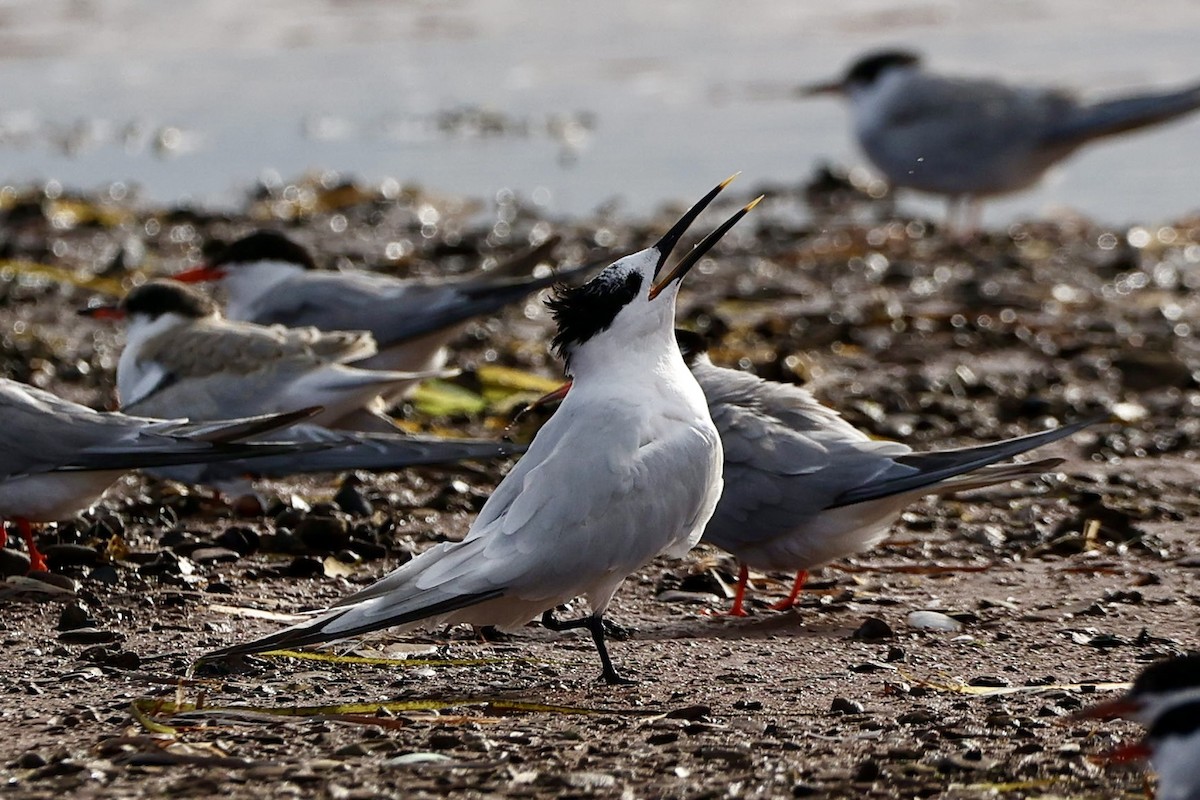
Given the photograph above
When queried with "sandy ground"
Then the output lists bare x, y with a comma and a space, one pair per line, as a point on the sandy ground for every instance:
1052, 587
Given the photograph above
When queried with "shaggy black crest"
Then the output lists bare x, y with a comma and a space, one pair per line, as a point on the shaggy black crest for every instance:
1171, 675
691, 344
867, 69
1182, 720
164, 297
263, 246
584, 311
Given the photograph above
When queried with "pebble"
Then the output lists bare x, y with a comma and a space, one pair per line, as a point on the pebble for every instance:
873, 629
240, 539
88, 636
842, 705
323, 534
74, 616
70, 555
214, 555
13, 562
933, 621
350, 499
411, 759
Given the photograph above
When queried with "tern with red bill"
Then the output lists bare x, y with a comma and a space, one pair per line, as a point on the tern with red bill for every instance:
182, 356
1165, 698
270, 279
629, 468
60, 457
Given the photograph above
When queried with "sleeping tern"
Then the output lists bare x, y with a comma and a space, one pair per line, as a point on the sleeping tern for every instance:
1165, 698
629, 467
270, 279
182, 356
968, 138
803, 487
60, 456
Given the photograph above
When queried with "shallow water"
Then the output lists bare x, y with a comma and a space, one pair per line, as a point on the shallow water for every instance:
571, 104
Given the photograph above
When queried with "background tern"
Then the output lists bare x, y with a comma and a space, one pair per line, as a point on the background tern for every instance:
59, 456
270, 279
1165, 698
627, 469
181, 354
968, 138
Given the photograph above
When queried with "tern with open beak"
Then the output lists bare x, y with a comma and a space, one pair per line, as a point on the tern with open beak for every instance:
629, 468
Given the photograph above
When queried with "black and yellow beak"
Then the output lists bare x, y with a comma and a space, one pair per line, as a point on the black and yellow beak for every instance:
667, 243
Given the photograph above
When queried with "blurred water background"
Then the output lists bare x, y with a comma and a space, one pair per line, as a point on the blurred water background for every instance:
570, 104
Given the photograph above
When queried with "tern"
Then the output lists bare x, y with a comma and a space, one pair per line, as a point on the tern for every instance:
60, 457
271, 280
629, 468
967, 138
180, 353
804, 488
1165, 698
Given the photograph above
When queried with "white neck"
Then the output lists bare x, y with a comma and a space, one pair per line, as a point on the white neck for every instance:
135, 377
246, 284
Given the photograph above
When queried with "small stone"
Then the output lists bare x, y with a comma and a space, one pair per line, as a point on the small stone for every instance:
105, 573
694, 713
933, 621
70, 555
873, 629
88, 636
590, 781
988, 680
240, 539
842, 705
350, 499
323, 534
304, 567
31, 760
74, 616
868, 772
13, 562
214, 555
412, 759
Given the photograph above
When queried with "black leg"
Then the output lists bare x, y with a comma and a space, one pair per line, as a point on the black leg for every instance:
595, 626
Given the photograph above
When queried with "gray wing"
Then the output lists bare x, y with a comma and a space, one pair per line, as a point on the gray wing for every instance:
393, 310
346, 451
776, 475
209, 347
46, 433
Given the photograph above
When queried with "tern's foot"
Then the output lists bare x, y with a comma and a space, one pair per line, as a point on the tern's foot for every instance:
783, 605
614, 678
737, 610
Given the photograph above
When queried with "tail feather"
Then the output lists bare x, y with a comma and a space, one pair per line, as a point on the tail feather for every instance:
318, 631
1111, 117
941, 465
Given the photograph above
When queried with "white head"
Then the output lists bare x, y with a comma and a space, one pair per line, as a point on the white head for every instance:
626, 314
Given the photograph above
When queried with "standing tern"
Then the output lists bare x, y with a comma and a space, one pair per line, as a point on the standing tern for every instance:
271, 280
629, 467
180, 353
968, 138
803, 487
1165, 698
60, 456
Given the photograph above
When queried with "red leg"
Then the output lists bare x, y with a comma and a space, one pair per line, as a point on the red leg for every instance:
784, 605
739, 596
3, 535
37, 561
